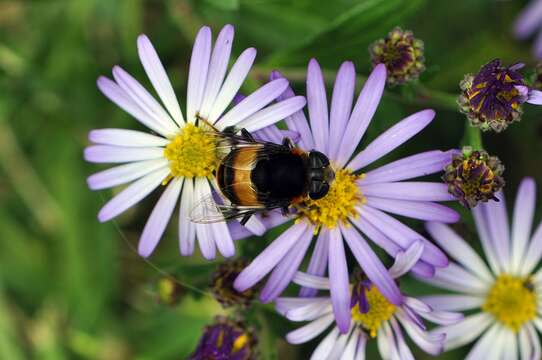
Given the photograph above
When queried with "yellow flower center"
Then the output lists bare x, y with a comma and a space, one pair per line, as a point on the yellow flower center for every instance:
192, 153
511, 301
338, 205
380, 310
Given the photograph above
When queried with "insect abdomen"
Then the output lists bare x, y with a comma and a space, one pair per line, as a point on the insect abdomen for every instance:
234, 177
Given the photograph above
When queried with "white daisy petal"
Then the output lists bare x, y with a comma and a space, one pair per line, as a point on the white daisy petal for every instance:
145, 100
197, 73
464, 331
123, 174
285, 304
486, 344
534, 252
340, 345
453, 302
187, 229
158, 77
204, 231
458, 248
117, 95
499, 230
311, 281
483, 233
132, 194
222, 238
124, 137
159, 218
311, 311
522, 222
121, 154
323, 349
456, 278
232, 84
404, 261
217, 69
310, 331
430, 343
352, 345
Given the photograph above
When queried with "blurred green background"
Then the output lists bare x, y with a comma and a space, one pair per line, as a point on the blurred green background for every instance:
73, 288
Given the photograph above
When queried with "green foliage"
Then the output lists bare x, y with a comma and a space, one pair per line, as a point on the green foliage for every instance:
73, 288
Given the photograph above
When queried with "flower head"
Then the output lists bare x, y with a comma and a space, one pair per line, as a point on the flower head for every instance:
503, 300
492, 98
474, 176
401, 53
179, 154
357, 203
222, 285
226, 339
373, 317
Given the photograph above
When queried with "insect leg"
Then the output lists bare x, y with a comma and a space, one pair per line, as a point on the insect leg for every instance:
247, 135
288, 142
245, 218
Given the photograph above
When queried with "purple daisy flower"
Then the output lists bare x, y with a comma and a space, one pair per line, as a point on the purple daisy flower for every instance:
503, 300
373, 316
529, 22
356, 203
179, 152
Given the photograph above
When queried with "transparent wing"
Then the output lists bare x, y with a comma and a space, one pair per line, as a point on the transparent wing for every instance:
207, 211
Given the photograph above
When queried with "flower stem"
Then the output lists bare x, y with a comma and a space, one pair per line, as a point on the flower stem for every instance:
472, 137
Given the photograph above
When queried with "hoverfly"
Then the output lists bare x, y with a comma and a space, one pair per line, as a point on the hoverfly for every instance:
256, 176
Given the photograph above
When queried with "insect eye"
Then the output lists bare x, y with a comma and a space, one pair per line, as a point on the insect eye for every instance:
317, 160
318, 190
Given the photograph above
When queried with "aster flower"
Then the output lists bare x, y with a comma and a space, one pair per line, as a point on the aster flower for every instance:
529, 22
502, 299
373, 316
474, 176
222, 285
356, 202
226, 339
179, 153
492, 98
401, 53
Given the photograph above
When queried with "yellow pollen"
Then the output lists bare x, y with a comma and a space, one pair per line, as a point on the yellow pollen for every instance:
191, 153
338, 205
380, 311
240, 342
511, 301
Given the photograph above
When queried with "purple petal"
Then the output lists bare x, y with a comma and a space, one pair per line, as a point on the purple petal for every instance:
422, 210
372, 266
535, 97
454, 277
529, 20
269, 258
318, 262
124, 137
269, 133
309, 331
144, 100
317, 105
217, 69
405, 260
338, 276
117, 95
454, 302
421, 164
415, 191
284, 272
232, 84
273, 113
187, 229
297, 121
403, 236
270, 220
253, 103
363, 112
522, 221
197, 73
121, 154
158, 77
132, 194
159, 218
534, 252
537, 48
392, 138
457, 248
123, 174
341, 105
